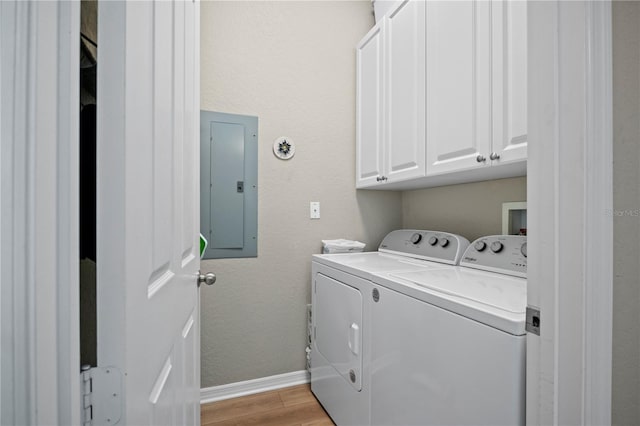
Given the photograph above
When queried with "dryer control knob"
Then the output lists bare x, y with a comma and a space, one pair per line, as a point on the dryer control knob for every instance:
444, 242
523, 249
480, 246
416, 238
433, 241
496, 246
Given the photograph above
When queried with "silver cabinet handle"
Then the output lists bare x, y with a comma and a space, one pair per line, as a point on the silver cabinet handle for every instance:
208, 278
481, 158
494, 156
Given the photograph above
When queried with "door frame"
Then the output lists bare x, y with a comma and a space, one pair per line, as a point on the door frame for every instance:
569, 365
39, 125
569, 195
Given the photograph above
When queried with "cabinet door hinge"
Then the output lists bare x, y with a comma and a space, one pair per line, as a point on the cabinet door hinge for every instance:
101, 396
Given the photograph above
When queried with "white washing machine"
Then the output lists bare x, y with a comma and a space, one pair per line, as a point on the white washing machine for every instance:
448, 345
342, 299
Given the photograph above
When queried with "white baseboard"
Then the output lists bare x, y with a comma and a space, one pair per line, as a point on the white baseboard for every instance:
249, 387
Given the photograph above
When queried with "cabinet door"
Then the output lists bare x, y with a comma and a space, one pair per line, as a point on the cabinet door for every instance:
458, 85
509, 80
405, 91
369, 131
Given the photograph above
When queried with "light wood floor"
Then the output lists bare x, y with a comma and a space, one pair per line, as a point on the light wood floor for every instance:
293, 406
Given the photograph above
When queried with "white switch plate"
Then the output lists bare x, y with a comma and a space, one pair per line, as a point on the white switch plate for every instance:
314, 210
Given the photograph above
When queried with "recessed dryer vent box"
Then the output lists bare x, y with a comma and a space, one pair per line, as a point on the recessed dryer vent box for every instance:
514, 218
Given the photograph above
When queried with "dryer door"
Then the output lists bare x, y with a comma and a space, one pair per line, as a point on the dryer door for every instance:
338, 331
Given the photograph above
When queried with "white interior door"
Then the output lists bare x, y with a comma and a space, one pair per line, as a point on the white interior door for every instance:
148, 207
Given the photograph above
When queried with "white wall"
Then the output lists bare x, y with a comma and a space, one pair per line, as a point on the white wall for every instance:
626, 223
471, 209
292, 64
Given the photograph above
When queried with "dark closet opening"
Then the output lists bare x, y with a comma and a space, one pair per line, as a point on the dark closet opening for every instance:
87, 184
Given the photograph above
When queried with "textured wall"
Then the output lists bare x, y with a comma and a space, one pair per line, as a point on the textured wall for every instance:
292, 64
626, 223
471, 209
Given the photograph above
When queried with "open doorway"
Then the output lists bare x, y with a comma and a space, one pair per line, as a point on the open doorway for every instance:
87, 184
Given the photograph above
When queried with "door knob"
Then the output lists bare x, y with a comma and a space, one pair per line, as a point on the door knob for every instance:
481, 158
494, 156
208, 278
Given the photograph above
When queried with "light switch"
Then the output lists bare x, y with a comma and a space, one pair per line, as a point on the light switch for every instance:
314, 210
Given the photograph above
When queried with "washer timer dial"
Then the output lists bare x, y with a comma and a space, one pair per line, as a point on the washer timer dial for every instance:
416, 238
480, 246
496, 246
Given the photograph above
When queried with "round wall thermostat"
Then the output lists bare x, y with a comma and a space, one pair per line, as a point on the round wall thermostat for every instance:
284, 148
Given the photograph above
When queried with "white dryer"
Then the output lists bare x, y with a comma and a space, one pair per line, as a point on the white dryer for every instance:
448, 346
342, 298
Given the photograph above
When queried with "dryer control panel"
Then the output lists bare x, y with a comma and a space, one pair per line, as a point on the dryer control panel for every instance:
428, 245
506, 254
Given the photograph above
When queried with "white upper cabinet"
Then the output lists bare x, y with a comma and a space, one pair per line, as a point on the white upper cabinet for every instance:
369, 113
390, 98
458, 85
404, 92
442, 94
509, 79
476, 84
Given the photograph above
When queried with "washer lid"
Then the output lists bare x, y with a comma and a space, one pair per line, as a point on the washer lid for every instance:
497, 291
365, 264
493, 299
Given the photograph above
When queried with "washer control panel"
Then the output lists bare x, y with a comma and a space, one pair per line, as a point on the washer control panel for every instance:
428, 245
505, 254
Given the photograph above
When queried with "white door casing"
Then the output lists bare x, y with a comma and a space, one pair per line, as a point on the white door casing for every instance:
39, 95
148, 206
569, 202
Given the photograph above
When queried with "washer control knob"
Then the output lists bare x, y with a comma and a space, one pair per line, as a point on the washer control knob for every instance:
433, 241
496, 246
523, 249
444, 242
480, 246
416, 238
